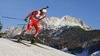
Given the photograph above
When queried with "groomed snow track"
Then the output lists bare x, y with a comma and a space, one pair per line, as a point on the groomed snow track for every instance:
11, 48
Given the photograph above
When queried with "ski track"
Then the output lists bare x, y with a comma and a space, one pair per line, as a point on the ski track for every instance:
10, 48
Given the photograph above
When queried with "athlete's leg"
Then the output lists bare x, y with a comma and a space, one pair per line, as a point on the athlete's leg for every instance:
28, 28
37, 27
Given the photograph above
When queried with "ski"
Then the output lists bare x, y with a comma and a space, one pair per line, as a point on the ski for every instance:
28, 44
39, 46
41, 41
21, 43
21, 24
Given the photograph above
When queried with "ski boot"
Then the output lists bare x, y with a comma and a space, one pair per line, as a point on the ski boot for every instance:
33, 41
20, 39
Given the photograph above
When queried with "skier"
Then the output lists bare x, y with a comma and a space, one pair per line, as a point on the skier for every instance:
35, 17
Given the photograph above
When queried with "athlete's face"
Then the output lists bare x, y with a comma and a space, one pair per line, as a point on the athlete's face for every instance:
42, 13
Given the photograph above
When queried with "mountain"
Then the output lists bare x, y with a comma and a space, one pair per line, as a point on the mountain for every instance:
1, 25
75, 39
53, 23
97, 53
1, 28
67, 32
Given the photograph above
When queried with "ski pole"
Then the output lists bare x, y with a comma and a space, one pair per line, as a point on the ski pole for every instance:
21, 24
11, 18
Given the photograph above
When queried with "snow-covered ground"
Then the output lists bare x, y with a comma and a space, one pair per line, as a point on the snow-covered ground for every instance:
84, 53
10, 48
95, 53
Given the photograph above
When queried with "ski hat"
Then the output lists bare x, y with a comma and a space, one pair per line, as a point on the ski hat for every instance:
44, 10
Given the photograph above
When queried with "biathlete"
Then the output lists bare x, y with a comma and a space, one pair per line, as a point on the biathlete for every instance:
34, 19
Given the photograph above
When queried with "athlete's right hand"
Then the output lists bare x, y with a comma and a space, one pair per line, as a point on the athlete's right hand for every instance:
26, 19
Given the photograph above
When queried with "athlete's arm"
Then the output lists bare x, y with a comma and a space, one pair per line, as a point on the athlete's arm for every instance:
33, 13
41, 18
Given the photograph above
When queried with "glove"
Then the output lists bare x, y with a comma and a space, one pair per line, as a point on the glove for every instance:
26, 19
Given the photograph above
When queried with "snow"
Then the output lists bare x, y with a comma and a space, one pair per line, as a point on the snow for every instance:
84, 53
66, 50
10, 48
55, 22
96, 53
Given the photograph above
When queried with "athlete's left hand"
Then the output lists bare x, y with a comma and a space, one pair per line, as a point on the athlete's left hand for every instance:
26, 19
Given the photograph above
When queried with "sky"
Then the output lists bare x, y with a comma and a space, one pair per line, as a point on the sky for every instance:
87, 10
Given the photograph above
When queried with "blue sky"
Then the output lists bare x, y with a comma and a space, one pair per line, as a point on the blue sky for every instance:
87, 10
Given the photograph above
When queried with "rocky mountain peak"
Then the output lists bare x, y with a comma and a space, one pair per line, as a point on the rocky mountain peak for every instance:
55, 22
